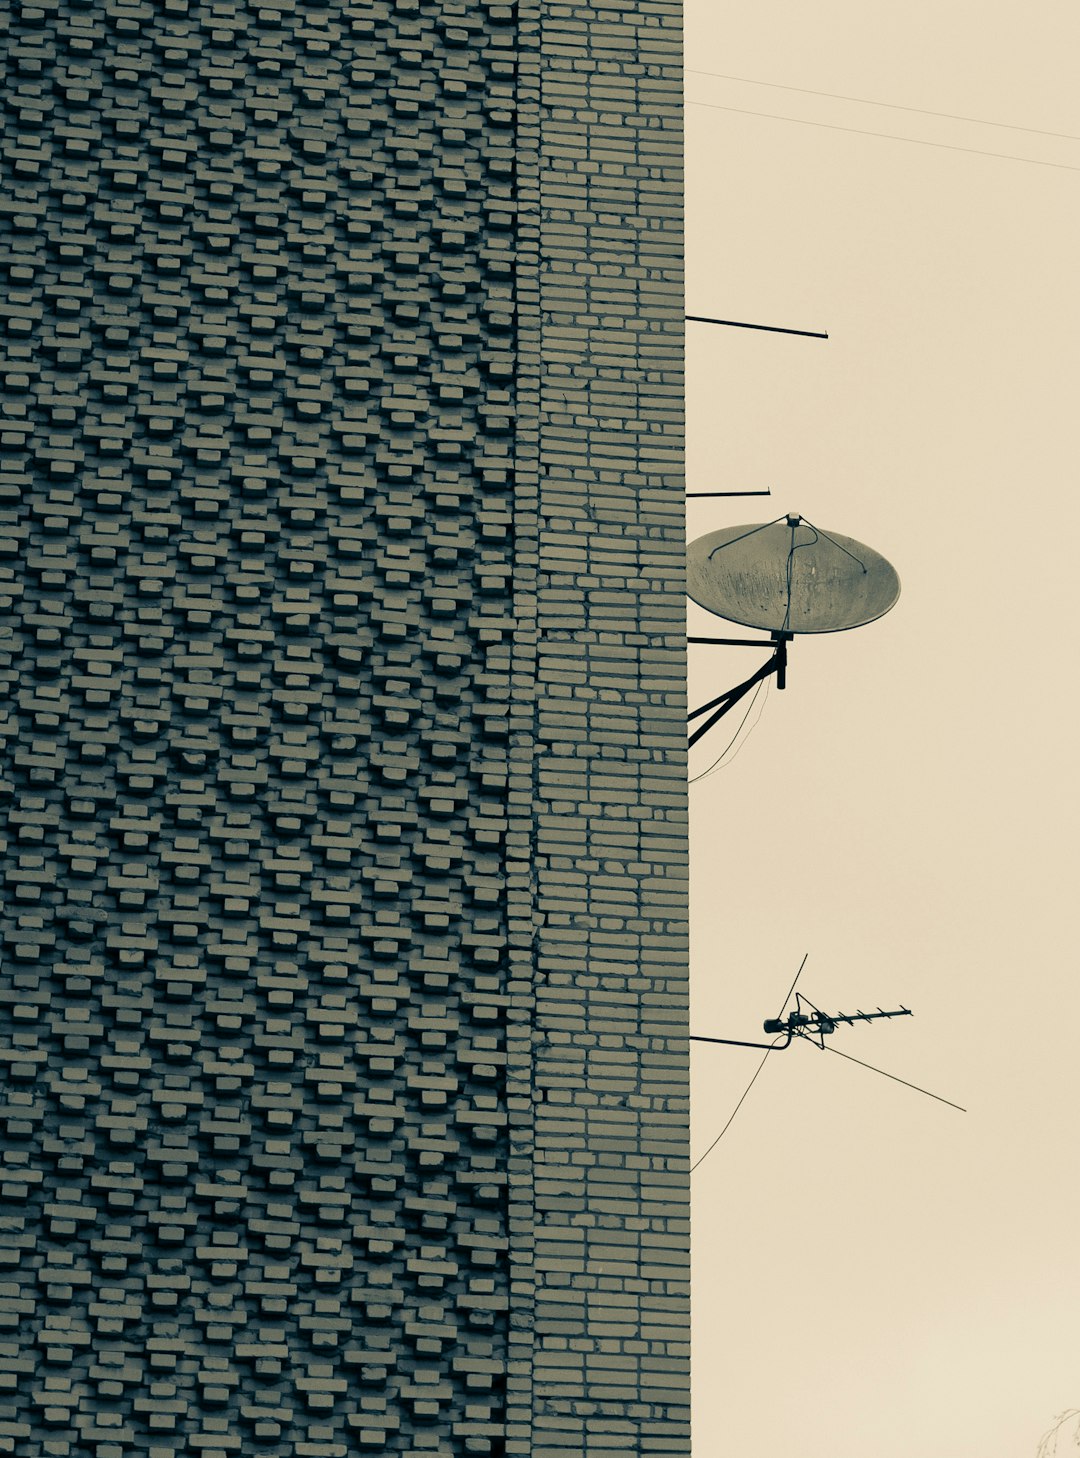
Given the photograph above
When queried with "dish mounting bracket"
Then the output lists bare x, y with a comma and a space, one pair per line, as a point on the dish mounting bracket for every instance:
725, 702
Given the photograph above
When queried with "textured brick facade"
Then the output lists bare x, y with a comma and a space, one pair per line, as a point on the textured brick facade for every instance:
343, 938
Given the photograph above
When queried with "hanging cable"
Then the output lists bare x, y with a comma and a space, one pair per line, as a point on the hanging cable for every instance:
757, 720
760, 1066
716, 764
734, 1111
790, 569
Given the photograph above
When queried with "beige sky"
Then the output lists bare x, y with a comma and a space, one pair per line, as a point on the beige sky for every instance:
878, 1276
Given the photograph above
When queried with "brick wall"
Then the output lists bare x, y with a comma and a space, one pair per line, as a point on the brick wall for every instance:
343, 961
600, 375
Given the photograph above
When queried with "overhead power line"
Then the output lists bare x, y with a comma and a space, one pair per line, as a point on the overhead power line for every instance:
886, 136
891, 105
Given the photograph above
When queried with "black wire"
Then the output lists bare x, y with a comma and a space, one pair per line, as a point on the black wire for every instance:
749, 709
734, 1111
829, 1049
765, 699
760, 1066
790, 571
891, 105
887, 136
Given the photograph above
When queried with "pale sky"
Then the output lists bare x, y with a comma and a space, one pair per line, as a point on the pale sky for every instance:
877, 1275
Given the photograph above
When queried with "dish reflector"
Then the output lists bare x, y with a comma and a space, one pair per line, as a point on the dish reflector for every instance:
790, 577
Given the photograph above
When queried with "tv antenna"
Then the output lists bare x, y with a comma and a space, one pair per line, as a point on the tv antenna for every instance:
814, 1027
800, 1024
783, 577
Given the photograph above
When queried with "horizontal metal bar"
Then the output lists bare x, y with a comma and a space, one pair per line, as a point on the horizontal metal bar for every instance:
737, 642
769, 328
692, 495
738, 1043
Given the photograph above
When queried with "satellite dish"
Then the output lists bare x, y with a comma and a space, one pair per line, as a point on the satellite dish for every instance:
790, 577
785, 576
